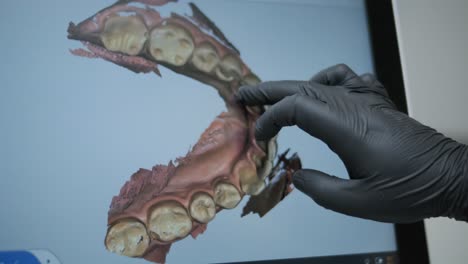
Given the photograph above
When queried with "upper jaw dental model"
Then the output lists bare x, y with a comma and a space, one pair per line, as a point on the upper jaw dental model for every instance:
158, 207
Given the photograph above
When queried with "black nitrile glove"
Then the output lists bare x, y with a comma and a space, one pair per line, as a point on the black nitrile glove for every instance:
400, 170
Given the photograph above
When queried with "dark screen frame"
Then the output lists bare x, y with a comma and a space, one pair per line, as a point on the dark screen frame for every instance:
411, 238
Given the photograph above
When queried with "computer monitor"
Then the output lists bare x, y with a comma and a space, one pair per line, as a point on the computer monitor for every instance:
75, 130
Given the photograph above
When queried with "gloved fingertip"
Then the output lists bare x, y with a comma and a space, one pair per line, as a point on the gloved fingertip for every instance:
262, 134
298, 179
244, 92
238, 98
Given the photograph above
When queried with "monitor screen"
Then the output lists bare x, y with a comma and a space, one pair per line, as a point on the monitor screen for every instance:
74, 130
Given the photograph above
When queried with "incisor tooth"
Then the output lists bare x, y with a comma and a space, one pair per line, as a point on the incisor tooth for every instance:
265, 169
171, 43
229, 68
226, 195
202, 208
205, 57
124, 34
257, 187
265, 164
169, 221
127, 238
272, 148
249, 181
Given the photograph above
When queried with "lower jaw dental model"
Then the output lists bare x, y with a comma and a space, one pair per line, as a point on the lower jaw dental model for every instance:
158, 207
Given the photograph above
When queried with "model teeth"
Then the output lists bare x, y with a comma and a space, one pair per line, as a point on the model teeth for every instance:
205, 57
267, 165
250, 183
202, 208
124, 34
127, 238
226, 195
251, 79
254, 188
265, 170
229, 68
169, 221
171, 43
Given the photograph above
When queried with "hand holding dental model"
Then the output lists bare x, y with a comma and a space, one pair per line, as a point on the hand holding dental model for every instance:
400, 170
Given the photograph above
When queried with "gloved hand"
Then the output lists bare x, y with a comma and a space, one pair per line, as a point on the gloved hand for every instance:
400, 170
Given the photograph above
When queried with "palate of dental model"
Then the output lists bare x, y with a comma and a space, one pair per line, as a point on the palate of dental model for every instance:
226, 195
127, 238
205, 58
229, 68
249, 181
202, 208
169, 221
124, 34
171, 43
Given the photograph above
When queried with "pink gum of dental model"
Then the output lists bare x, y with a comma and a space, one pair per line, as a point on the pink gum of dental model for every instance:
158, 207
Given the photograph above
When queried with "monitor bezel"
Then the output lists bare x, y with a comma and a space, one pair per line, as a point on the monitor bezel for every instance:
411, 238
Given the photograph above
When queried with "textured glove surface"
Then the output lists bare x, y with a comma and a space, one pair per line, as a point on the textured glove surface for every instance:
400, 170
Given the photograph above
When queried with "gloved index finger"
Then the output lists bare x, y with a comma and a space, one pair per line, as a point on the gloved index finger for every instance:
268, 93
339, 74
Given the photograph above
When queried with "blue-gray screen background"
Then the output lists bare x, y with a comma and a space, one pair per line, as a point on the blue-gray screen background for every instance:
73, 130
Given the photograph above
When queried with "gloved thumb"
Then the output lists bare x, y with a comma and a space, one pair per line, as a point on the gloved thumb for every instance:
337, 194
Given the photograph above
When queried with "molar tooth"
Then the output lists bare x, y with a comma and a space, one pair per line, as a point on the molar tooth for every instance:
229, 68
169, 221
127, 238
171, 43
205, 57
124, 34
250, 183
226, 195
202, 208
